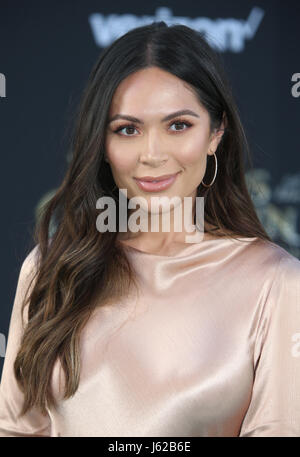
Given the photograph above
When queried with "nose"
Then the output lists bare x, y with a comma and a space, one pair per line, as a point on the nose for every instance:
153, 153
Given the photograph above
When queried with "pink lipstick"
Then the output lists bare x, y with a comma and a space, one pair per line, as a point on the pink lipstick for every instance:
156, 184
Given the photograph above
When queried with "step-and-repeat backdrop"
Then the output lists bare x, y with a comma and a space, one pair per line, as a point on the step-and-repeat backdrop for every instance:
47, 49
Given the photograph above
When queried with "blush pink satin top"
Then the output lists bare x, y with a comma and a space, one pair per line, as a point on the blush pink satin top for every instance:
209, 347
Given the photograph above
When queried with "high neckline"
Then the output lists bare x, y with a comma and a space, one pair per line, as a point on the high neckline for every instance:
186, 248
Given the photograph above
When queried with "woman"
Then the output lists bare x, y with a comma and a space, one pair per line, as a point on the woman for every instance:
137, 332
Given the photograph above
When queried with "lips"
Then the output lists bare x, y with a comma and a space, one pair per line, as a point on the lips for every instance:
156, 184
155, 178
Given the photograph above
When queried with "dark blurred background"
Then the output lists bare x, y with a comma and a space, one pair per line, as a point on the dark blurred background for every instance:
47, 50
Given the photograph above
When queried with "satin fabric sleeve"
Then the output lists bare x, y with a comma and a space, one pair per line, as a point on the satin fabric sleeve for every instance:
274, 409
33, 423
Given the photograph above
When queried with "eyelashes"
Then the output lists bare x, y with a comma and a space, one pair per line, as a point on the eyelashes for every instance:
132, 126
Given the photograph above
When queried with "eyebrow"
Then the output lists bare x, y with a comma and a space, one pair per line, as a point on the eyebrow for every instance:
166, 118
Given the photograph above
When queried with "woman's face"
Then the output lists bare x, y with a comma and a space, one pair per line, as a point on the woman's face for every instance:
152, 146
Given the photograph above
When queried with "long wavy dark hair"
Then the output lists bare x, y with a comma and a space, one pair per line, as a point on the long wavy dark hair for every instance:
78, 268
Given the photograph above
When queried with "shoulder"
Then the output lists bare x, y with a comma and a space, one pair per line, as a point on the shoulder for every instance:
265, 264
30, 262
287, 273
283, 291
273, 257
279, 302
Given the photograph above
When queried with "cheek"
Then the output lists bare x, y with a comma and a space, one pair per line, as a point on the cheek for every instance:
121, 161
193, 154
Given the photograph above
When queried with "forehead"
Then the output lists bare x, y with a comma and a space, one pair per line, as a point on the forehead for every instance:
153, 89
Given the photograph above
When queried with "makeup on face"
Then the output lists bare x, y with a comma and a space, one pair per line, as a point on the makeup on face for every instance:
156, 184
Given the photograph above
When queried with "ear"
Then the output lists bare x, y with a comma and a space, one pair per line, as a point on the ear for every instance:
217, 136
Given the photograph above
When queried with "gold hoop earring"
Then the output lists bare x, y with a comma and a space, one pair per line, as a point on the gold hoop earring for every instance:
216, 168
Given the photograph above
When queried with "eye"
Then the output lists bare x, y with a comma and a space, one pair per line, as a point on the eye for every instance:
131, 126
181, 123
124, 127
